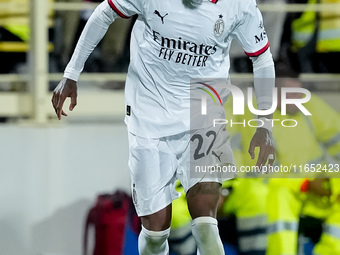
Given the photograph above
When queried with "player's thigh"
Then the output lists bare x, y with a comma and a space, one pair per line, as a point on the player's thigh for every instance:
208, 158
207, 155
152, 168
203, 199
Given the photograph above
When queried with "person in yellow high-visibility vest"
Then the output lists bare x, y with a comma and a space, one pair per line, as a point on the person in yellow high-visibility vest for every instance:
316, 38
316, 137
327, 23
313, 138
17, 21
15, 33
330, 238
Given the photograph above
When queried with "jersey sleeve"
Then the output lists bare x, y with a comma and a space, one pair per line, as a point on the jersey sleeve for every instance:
93, 32
250, 31
126, 8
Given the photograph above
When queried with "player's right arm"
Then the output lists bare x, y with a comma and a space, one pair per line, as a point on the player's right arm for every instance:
96, 27
66, 88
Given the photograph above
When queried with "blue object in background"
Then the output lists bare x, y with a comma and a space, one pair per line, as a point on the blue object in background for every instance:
131, 241
230, 249
308, 248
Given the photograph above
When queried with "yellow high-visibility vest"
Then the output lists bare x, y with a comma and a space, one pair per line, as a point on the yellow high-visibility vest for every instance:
16, 19
328, 37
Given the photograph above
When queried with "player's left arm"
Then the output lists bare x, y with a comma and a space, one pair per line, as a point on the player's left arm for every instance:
264, 83
252, 36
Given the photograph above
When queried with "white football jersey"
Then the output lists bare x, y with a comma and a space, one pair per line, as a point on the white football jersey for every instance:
173, 44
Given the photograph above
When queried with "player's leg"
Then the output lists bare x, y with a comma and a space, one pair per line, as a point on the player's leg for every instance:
155, 232
202, 203
153, 188
203, 198
208, 148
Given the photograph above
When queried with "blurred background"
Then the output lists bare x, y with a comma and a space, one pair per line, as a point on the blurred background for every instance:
51, 172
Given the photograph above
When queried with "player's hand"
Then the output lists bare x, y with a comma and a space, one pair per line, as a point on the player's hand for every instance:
264, 140
320, 187
66, 88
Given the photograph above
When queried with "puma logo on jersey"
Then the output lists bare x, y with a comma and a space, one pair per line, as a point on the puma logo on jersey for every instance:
217, 156
159, 15
261, 25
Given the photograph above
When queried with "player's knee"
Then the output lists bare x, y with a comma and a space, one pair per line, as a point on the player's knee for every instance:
153, 242
202, 227
205, 232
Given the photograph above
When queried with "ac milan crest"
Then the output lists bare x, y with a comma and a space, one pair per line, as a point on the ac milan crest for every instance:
219, 26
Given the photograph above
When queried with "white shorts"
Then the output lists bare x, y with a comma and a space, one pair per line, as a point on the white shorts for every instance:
156, 164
